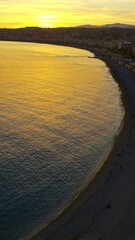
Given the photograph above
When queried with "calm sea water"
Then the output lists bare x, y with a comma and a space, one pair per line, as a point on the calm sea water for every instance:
59, 113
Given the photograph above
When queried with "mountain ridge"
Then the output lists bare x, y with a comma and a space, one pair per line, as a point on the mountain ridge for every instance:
113, 25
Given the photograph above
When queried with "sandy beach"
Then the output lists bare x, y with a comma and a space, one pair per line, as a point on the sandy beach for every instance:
105, 210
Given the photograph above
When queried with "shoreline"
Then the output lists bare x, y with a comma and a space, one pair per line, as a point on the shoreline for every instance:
80, 220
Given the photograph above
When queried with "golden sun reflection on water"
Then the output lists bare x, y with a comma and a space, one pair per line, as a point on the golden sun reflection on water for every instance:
59, 112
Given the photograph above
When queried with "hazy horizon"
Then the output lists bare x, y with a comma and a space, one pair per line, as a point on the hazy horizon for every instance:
87, 24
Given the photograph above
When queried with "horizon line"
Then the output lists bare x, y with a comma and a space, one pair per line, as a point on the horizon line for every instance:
83, 25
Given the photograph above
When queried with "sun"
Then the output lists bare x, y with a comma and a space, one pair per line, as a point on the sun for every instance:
45, 25
46, 21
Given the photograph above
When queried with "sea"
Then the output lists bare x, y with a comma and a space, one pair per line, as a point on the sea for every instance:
60, 112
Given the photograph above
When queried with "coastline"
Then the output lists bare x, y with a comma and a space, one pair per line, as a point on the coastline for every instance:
100, 211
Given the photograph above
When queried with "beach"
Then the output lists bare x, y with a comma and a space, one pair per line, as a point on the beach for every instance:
105, 208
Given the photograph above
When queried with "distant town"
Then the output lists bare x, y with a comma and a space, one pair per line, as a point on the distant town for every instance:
117, 42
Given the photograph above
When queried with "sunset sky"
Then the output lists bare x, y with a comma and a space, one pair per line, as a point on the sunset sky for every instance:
58, 13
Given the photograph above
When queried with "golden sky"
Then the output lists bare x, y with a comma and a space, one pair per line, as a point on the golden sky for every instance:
65, 13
